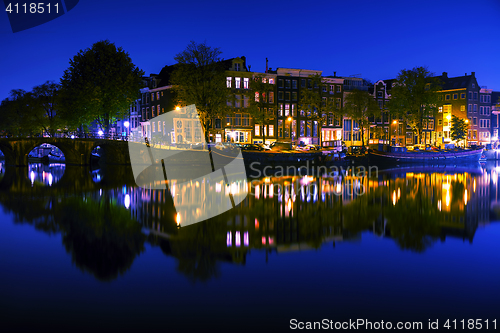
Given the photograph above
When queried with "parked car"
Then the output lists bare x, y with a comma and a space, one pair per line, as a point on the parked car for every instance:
251, 146
281, 145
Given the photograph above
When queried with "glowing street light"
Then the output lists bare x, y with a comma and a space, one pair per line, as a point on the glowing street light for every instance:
100, 132
126, 124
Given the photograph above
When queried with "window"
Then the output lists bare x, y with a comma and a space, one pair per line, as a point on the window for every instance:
294, 108
303, 83
462, 108
440, 122
271, 130
473, 85
153, 111
475, 107
159, 126
153, 126
287, 84
245, 101
257, 130
162, 93
440, 109
487, 110
287, 96
237, 101
245, 83
280, 83
229, 102
475, 95
470, 94
237, 82
218, 123
237, 119
158, 109
246, 119
462, 95
332, 89
280, 95
294, 96
152, 97
447, 97
474, 121
228, 81
294, 84
323, 101
280, 110
302, 127
481, 110
324, 88
469, 108
455, 96
380, 104
287, 110
430, 124
337, 104
271, 81
280, 128
339, 88
308, 127
271, 97
237, 67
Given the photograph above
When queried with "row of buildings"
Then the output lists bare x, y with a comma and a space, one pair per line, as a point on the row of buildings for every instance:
459, 96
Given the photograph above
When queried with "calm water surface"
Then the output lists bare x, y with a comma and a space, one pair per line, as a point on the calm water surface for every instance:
89, 250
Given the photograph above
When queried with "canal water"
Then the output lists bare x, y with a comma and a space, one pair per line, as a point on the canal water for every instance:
89, 250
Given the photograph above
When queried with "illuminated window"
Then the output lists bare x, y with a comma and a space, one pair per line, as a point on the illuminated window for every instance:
245, 83
257, 130
157, 95
153, 127
153, 111
152, 97
271, 130
158, 109
462, 108
237, 81
228, 81
237, 67
280, 110
287, 110
271, 81
271, 97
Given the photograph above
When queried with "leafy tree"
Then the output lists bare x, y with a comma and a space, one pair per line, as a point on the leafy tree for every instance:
360, 106
17, 114
46, 101
258, 96
315, 104
459, 127
99, 86
414, 97
199, 78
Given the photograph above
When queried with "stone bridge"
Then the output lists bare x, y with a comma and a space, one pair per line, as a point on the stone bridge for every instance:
76, 151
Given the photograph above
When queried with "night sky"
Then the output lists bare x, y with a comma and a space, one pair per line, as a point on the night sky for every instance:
375, 39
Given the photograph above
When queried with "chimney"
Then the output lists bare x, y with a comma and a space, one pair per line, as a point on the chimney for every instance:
266, 64
445, 75
473, 74
335, 74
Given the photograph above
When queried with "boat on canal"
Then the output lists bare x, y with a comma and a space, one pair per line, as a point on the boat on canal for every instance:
400, 155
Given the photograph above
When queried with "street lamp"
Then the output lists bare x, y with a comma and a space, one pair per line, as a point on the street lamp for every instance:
395, 123
291, 127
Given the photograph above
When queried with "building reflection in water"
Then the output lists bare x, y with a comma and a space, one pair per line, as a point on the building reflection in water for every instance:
413, 207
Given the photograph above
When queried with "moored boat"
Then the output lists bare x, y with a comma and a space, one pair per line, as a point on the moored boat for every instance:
431, 157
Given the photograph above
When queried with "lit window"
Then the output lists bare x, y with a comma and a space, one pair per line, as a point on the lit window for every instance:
237, 82
245, 83
257, 130
271, 97
159, 126
228, 81
271, 81
157, 95
158, 109
237, 67
271, 130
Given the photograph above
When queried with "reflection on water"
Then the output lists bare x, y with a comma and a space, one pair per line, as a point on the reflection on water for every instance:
105, 220
43, 174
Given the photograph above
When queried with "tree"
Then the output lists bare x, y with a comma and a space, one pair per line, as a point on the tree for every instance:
99, 85
459, 128
258, 96
199, 79
46, 101
414, 97
360, 106
18, 114
316, 106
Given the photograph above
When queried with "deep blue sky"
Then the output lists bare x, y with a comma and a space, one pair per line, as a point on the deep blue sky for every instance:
373, 38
